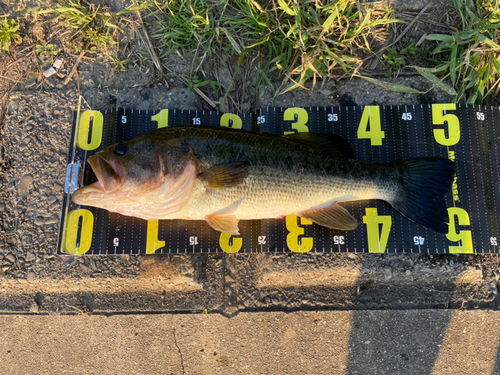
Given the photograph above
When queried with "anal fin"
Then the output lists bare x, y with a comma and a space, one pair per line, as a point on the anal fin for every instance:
334, 216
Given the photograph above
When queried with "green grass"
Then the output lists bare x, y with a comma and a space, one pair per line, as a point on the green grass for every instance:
120, 65
297, 41
88, 24
289, 40
47, 50
471, 55
8, 33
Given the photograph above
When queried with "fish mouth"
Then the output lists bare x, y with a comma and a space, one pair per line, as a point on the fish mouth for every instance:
108, 179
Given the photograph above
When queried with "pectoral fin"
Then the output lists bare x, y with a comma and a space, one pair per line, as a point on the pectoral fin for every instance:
334, 216
225, 175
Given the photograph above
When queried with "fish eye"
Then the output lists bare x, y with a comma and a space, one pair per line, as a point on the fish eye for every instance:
120, 149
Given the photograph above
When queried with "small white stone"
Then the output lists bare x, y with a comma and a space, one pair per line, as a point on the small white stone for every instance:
58, 63
49, 72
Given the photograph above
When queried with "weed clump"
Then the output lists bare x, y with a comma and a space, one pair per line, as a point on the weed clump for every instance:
471, 55
8, 33
90, 25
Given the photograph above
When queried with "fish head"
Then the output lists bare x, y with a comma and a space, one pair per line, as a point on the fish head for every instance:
136, 172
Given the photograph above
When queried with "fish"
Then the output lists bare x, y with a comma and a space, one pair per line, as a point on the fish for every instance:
223, 175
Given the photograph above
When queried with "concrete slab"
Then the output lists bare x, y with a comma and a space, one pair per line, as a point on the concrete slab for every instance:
420, 342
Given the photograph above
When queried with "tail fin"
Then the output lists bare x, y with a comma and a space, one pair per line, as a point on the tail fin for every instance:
424, 182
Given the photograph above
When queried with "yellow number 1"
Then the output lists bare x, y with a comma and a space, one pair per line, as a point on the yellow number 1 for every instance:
152, 241
161, 118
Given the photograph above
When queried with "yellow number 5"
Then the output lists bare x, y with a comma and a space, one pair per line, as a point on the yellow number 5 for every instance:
438, 118
464, 237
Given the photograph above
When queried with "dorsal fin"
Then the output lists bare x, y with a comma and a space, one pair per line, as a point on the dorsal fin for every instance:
332, 144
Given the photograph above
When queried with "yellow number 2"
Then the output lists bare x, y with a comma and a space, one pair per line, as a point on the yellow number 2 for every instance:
371, 115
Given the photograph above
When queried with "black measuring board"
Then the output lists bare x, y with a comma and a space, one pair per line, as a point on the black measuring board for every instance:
467, 134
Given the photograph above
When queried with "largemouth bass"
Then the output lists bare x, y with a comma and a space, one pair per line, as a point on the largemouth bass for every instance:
224, 175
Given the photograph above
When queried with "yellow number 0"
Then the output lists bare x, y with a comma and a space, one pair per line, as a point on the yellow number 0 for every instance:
302, 118
438, 118
69, 243
84, 128
292, 240
230, 249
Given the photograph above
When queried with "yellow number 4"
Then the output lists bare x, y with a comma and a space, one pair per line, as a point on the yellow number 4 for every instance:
377, 239
371, 115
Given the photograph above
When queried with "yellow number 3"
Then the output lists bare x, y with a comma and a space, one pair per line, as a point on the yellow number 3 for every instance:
292, 240
300, 116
